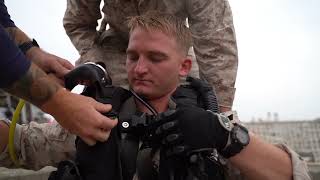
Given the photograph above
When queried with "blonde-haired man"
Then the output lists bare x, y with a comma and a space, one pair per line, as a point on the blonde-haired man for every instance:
156, 59
214, 52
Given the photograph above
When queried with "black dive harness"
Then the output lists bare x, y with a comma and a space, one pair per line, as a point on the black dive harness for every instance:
129, 145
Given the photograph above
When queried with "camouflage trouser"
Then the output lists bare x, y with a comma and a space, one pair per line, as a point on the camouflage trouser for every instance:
115, 59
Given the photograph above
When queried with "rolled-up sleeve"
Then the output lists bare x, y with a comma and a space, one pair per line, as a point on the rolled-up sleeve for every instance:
299, 166
215, 46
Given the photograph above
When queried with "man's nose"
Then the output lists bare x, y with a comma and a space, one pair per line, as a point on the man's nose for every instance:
141, 66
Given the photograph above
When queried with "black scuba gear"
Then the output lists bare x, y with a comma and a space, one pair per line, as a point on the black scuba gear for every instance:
197, 93
189, 129
117, 158
89, 159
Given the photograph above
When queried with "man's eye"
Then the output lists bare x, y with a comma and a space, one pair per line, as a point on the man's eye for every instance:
132, 57
157, 58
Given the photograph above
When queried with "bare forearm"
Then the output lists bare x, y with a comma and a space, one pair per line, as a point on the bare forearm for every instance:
260, 160
19, 38
47, 62
35, 86
17, 35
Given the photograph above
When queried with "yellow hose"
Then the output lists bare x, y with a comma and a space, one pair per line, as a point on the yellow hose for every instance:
12, 128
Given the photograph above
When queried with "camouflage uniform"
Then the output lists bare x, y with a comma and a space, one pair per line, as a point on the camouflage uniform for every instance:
39, 145
210, 22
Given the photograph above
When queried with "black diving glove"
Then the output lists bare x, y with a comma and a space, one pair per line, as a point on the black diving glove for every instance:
189, 129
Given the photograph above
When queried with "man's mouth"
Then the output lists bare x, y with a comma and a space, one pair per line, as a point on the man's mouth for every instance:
142, 81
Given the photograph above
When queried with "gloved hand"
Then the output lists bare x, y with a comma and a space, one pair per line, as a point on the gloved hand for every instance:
188, 129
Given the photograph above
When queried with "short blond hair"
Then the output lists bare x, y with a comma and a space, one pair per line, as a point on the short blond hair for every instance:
166, 23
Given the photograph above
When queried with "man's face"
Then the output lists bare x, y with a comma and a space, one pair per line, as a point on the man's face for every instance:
154, 63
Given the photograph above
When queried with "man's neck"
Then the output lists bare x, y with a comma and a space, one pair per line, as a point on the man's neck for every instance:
159, 104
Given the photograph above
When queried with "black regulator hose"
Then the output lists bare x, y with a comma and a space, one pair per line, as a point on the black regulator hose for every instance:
206, 93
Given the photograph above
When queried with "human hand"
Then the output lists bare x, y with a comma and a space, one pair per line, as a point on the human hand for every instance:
81, 115
49, 62
190, 128
54, 78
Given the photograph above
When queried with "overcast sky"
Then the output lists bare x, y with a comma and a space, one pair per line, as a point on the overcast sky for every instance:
278, 43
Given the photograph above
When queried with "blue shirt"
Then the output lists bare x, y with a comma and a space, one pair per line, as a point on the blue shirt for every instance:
5, 19
13, 63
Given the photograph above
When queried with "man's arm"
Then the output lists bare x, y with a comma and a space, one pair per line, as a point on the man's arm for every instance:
35, 86
196, 128
215, 46
263, 161
17, 35
79, 114
46, 61
80, 22
37, 145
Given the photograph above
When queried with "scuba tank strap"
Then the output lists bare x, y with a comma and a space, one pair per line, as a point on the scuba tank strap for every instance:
129, 143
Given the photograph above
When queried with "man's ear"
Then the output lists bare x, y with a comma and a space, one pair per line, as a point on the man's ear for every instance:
185, 67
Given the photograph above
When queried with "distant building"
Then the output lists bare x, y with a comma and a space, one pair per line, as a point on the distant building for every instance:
302, 136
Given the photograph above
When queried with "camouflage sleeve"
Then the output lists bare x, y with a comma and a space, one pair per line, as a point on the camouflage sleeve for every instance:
80, 22
40, 145
300, 168
215, 46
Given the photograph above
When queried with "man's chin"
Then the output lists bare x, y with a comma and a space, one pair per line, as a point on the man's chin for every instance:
141, 92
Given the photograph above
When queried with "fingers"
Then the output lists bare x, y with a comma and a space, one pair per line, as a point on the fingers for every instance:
177, 150
101, 125
54, 78
89, 141
60, 66
59, 70
167, 116
98, 133
102, 135
107, 124
103, 108
81, 115
102, 132
66, 64
166, 128
172, 139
